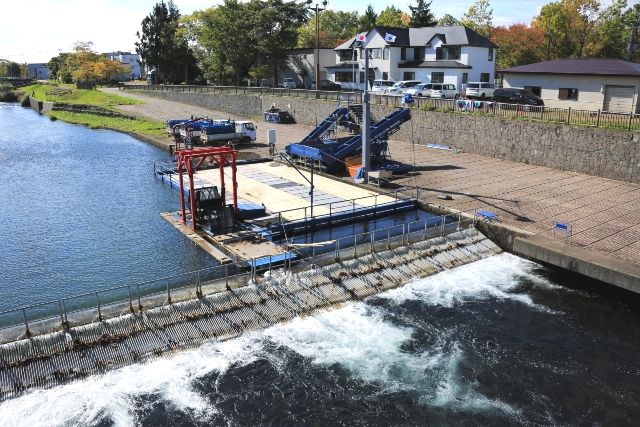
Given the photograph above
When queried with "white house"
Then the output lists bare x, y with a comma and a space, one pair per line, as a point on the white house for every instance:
448, 54
128, 59
589, 84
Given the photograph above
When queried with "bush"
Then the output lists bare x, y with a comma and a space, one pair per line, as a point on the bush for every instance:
6, 92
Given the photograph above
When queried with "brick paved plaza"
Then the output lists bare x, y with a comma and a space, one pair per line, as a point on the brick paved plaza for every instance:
604, 213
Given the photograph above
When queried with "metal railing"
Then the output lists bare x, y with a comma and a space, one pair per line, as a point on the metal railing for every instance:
570, 116
40, 318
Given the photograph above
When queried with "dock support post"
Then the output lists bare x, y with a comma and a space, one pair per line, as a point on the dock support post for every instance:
198, 284
169, 291
442, 222
403, 234
372, 238
355, 246
337, 257
98, 305
64, 309
270, 264
226, 277
26, 324
130, 302
139, 302
459, 220
62, 322
388, 237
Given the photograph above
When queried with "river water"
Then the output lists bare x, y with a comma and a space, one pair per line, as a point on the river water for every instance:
500, 341
80, 211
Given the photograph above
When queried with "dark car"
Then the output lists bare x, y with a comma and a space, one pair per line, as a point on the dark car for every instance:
516, 96
327, 85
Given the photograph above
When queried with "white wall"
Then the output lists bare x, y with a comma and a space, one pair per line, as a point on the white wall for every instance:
590, 88
478, 58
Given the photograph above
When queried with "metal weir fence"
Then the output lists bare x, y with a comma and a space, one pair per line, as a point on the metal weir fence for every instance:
570, 116
76, 310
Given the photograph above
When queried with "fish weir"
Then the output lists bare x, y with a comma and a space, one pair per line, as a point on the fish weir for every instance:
277, 296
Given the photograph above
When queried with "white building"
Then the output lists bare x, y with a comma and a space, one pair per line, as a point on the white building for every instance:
131, 60
39, 71
300, 66
588, 84
451, 54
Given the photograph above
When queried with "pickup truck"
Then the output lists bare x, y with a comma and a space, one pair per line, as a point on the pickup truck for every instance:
225, 131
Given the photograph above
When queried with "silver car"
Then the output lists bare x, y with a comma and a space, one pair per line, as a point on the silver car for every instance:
422, 89
441, 90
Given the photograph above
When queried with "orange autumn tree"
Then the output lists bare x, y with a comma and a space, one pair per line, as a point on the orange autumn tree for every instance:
518, 44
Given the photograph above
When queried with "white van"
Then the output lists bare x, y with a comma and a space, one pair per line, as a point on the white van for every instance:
381, 86
479, 90
401, 86
442, 90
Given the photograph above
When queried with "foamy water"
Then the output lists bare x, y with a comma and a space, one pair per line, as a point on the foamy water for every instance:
369, 341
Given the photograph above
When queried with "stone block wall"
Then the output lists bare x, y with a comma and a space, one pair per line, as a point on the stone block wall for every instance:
598, 152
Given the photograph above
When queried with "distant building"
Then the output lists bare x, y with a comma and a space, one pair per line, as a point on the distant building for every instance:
39, 71
444, 54
588, 84
131, 60
301, 66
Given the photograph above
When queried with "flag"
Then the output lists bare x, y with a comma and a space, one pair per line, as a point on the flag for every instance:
362, 37
389, 38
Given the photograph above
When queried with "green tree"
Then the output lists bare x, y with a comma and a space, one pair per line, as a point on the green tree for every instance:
274, 25
479, 18
421, 15
448, 20
391, 16
612, 31
572, 27
335, 27
631, 19
159, 44
368, 20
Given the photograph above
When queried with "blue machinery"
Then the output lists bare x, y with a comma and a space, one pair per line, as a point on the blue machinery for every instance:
332, 152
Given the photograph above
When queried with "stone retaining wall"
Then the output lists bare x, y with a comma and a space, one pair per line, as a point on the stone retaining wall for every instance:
609, 154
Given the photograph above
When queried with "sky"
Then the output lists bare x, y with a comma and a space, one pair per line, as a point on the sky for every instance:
37, 30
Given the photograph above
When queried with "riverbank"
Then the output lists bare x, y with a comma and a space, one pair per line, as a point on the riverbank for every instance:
96, 110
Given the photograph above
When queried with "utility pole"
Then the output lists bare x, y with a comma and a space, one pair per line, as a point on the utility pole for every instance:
366, 144
317, 52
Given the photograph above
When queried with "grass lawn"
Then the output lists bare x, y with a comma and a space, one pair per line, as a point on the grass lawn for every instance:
93, 121
77, 96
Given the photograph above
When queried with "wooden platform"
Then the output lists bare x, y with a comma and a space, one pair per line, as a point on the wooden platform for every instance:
196, 237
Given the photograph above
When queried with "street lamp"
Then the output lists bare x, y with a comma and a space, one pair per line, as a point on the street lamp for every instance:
317, 53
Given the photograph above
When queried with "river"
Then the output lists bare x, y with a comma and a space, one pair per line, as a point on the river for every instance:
501, 341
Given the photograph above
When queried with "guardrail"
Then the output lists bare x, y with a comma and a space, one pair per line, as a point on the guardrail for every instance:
37, 319
570, 116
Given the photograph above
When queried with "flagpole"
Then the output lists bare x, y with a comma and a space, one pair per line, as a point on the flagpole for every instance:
366, 146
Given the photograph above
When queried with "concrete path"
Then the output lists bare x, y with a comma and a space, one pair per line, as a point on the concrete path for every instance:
604, 213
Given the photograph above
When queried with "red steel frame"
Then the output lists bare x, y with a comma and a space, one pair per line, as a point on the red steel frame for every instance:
185, 158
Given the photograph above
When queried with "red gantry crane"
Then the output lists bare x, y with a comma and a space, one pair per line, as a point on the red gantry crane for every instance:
220, 155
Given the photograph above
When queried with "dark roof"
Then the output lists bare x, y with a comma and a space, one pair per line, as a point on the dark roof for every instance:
434, 64
598, 67
453, 35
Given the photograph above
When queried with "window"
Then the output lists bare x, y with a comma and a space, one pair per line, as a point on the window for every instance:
536, 90
490, 54
465, 78
484, 77
409, 75
437, 77
361, 76
385, 75
418, 54
448, 53
376, 53
385, 53
403, 53
344, 76
346, 55
568, 93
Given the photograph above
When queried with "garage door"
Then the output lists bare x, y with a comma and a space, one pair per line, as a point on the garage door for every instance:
618, 99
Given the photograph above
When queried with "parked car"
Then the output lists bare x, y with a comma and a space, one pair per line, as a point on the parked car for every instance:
398, 88
479, 90
440, 90
328, 85
289, 83
516, 96
422, 89
381, 86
